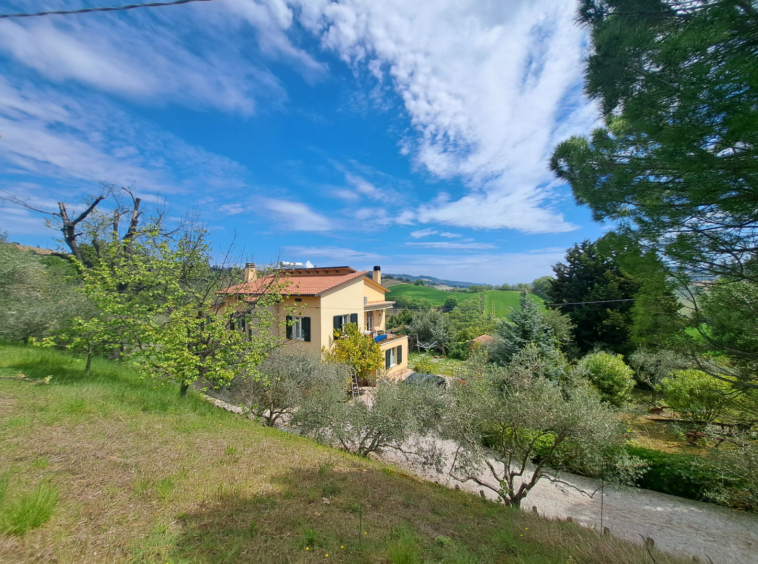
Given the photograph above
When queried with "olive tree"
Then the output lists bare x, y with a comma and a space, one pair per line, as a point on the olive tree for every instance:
37, 296
383, 421
532, 430
651, 366
284, 381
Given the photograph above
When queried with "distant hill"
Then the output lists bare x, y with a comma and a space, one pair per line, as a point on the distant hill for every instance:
432, 280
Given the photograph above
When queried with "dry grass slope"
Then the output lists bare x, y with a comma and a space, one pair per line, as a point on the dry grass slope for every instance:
143, 476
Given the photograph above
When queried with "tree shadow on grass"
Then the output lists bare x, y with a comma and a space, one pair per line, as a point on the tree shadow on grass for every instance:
353, 515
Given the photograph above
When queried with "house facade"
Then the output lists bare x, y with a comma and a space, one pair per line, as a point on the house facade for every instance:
319, 300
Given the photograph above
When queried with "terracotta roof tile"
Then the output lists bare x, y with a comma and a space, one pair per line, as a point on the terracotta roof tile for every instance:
299, 285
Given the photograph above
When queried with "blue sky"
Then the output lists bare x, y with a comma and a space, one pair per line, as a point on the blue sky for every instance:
411, 135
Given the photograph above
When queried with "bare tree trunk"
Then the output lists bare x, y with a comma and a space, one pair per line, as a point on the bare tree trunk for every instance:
183, 389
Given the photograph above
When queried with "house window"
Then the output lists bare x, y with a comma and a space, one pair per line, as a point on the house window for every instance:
391, 358
297, 328
341, 320
370, 321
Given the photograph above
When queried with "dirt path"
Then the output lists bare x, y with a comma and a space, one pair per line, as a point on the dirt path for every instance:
676, 525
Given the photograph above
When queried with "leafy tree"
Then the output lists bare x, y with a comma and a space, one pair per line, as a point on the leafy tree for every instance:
400, 319
541, 285
561, 327
678, 85
609, 374
157, 300
674, 166
697, 396
412, 303
525, 326
592, 274
432, 330
531, 431
353, 348
451, 302
419, 282
288, 378
725, 320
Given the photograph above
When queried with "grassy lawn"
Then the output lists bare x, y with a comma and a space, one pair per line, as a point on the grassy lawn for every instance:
107, 467
442, 365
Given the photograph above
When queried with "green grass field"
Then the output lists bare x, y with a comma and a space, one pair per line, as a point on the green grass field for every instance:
437, 297
107, 467
498, 302
501, 303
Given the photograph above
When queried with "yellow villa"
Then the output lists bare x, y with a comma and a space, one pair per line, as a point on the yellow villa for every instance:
327, 298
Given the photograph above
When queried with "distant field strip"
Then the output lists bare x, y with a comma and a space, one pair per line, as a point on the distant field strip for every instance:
498, 302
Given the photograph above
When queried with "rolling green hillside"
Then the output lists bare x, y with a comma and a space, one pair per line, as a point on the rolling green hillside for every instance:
498, 302
437, 297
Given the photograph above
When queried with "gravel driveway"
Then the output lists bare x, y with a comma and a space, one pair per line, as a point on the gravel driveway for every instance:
676, 525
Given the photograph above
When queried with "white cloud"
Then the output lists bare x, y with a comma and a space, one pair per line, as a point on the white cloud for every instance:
483, 268
490, 89
78, 138
447, 245
450, 235
341, 255
365, 187
296, 216
423, 233
232, 209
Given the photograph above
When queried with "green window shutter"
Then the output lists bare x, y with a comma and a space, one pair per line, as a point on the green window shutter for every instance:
387, 359
354, 318
400, 354
338, 323
289, 326
307, 329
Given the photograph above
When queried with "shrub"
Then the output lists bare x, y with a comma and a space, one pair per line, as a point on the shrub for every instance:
683, 475
424, 365
459, 351
697, 396
609, 375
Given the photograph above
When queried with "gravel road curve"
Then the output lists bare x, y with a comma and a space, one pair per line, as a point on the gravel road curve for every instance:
677, 525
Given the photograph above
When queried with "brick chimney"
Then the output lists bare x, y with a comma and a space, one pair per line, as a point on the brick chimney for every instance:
250, 274
378, 274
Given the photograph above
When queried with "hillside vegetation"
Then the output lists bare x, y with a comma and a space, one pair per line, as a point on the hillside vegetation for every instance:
499, 302
437, 297
137, 474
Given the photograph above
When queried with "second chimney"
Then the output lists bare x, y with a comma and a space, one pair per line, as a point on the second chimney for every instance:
378, 274
250, 274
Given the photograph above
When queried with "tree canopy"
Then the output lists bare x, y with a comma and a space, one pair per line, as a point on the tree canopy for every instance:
592, 274
675, 164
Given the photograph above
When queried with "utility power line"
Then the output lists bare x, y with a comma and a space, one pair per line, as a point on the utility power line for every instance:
101, 9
